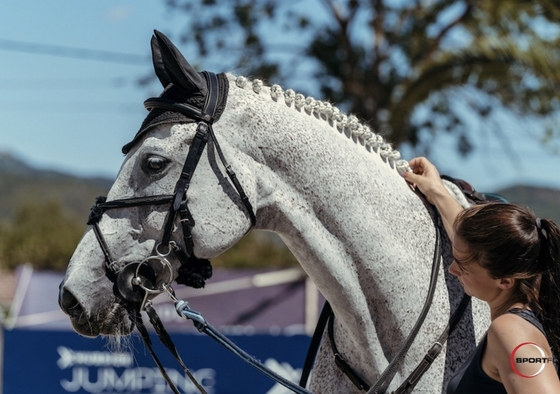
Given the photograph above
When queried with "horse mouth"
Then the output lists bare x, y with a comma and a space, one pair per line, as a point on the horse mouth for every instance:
117, 320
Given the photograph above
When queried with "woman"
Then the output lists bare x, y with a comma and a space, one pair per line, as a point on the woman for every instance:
507, 257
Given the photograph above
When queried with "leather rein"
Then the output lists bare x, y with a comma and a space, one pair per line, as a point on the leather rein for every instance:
326, 319
138, 282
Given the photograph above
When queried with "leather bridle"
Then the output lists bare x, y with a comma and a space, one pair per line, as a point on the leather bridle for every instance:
136, 281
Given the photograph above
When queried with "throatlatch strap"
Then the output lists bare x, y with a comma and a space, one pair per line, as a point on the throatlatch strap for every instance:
233, 178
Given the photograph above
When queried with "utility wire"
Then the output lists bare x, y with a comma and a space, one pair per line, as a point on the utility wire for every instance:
72, 52
63, 83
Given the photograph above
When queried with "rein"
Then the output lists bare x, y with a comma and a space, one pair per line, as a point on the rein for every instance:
327, 319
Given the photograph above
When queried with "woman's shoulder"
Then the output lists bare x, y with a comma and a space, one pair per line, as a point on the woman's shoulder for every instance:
516, 347
509, 330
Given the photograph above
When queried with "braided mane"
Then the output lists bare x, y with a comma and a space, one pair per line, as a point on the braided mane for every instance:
323, 110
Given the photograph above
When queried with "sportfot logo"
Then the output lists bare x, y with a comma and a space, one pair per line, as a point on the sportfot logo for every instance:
528, 360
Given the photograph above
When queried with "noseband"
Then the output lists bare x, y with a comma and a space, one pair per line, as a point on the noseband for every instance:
136, 282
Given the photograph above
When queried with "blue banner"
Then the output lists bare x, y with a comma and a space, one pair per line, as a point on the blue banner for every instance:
63, 362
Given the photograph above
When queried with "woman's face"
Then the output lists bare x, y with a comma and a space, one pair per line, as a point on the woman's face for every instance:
475, 279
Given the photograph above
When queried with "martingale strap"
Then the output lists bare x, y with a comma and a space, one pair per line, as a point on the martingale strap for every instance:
148, 342
388, 374
408, 385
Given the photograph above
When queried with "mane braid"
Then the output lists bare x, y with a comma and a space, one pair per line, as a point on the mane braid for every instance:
323, 110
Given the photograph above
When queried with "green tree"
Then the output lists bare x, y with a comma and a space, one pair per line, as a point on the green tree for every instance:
258, 249
41, 234
410, 68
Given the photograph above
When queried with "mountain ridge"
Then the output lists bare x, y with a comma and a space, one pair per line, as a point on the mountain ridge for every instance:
21, 182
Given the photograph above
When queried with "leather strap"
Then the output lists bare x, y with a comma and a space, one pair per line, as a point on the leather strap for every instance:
315, 343
233, 178
165, 339
191, 162
385, 379
148, 342
358, 381
387, 375
203, 326
408, 385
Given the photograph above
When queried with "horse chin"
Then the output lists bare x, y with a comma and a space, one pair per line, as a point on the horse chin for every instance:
118, 321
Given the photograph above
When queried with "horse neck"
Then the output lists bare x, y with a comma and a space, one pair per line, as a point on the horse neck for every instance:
328, 194
353, 223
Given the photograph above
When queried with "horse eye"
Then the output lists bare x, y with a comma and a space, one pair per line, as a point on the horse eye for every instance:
154, 164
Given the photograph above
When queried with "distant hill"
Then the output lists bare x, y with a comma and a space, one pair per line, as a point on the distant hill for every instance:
543, 201
20, 182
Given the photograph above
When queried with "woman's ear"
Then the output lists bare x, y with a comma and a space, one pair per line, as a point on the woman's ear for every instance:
506, 283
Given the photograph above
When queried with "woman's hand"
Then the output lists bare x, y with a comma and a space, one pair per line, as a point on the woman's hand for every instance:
426, 177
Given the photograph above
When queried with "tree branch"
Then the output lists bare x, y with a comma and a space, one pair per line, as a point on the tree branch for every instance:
437, 41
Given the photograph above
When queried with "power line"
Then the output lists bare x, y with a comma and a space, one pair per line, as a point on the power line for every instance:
63, 83
72, 52
72, 107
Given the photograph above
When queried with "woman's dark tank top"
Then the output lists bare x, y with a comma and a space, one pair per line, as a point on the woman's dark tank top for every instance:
470, 378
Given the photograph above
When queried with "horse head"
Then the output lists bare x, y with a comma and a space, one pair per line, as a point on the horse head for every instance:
144, 229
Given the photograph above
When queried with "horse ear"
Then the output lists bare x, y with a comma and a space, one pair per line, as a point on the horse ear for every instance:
176, 67
159, 68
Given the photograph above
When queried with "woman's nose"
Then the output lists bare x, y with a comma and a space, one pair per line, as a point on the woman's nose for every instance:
454, 269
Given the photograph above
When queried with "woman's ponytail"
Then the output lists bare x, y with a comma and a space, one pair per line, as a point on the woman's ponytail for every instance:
549, 295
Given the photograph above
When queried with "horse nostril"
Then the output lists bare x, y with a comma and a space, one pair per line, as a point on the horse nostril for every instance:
68, 303
77, 313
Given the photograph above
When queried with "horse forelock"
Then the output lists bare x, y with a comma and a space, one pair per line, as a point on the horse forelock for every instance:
323, 111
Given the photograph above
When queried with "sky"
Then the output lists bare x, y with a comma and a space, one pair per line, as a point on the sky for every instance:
73, 111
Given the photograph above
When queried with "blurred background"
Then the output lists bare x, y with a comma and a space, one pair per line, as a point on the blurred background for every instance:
474, 86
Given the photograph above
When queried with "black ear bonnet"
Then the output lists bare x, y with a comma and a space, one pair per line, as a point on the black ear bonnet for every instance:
182, 85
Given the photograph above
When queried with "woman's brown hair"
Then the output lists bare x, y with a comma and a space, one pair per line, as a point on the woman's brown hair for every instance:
511, 242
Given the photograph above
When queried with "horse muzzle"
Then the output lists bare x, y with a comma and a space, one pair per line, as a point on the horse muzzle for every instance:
111, 317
